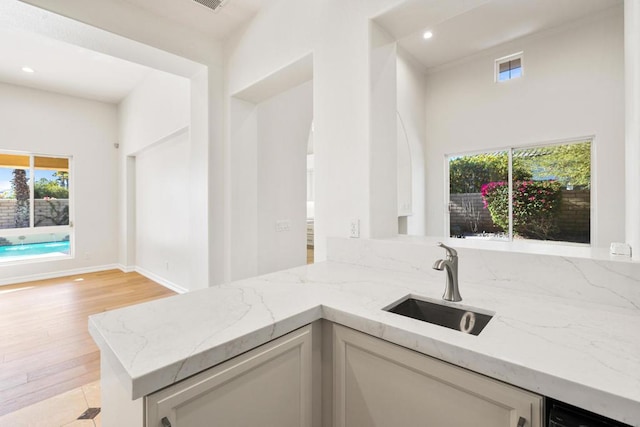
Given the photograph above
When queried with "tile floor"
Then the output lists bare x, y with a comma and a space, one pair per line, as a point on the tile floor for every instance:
59, 411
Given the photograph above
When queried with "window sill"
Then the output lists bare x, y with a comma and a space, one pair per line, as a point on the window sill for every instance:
533, 247
30, 259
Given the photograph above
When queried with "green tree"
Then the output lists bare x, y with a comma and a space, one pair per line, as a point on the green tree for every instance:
45, 188
62, 177
568, 164
468, 174
20, 187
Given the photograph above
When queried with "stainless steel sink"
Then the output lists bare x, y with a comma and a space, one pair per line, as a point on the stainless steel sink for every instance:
459, 318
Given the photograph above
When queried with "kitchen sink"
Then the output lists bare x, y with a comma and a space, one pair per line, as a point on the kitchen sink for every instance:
463, 319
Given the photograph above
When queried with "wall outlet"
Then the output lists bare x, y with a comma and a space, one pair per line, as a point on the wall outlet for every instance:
283, 225
166, 265
354, 228
620, 249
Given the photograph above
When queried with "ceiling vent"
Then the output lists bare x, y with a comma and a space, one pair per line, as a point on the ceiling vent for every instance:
214, 5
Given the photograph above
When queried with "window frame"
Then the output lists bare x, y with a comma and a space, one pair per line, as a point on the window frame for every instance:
33, 230
509, 150
508, 58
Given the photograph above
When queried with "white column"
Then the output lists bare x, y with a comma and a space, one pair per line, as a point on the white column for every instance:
383, 165
632, 120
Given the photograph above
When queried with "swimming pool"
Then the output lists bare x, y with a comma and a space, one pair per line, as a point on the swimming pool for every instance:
34, 250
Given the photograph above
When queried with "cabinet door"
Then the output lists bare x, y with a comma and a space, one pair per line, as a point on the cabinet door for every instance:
377, 383
267, 386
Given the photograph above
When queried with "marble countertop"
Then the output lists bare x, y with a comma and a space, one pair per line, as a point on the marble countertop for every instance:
580, 352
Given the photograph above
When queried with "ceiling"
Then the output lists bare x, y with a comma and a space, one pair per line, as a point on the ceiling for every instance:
68, 69
219, 24
464, 27
461, 28
65, 68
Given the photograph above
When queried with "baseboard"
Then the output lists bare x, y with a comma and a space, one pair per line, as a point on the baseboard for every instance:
127, 268
94, 269
160, 280
55, 274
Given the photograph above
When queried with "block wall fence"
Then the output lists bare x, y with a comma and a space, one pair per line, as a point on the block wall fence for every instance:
573, 219
43, 210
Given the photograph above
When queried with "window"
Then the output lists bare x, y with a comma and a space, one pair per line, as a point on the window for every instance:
509, 67
34, 206
537, 193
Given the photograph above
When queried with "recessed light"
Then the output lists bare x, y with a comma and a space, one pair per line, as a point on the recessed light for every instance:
28, 70
427, 35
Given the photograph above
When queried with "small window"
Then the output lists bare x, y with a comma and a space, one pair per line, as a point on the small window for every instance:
535, 193
509, 67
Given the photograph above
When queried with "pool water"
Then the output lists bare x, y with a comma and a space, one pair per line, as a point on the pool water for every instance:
34, 249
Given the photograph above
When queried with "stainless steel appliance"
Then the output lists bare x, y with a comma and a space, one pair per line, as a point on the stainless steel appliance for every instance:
564, 415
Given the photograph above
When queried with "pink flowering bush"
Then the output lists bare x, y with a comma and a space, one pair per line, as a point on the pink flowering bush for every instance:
535, 206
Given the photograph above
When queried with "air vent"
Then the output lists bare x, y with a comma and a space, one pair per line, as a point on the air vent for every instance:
214, 5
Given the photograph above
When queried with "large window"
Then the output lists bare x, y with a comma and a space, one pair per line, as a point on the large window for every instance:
540, 193
34, 206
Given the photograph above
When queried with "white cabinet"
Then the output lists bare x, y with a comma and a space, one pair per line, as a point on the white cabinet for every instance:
376, 383
325, 375
267, 386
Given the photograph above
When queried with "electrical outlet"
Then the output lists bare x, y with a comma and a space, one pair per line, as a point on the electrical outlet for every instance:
354, 228
620, 249
166, 265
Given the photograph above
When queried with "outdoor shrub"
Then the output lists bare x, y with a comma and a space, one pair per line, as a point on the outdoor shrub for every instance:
535, 206
495, 198
467, 174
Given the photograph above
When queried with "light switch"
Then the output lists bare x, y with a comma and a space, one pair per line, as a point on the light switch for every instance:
283, 225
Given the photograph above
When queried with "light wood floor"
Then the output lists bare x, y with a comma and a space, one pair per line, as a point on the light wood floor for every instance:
45, 346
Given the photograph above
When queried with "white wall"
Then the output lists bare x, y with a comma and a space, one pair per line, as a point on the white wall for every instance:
573, 86
137, 35
269, 156
411, 103
157, 107
48, 123
243, 193
251, 172
156, 227
337, 34
383, 144
632, 123
163, 245
283, 124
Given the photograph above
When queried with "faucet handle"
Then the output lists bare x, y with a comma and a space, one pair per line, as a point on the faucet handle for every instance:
450, 251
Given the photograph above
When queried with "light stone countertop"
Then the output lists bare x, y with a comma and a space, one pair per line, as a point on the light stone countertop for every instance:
584, 353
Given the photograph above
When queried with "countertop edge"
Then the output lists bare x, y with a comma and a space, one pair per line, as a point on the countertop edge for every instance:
144, 385
599, 401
